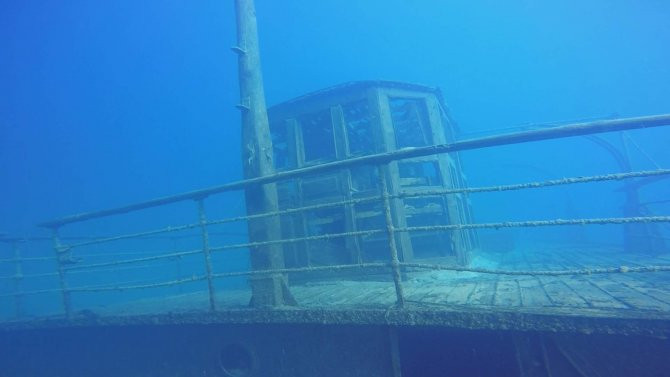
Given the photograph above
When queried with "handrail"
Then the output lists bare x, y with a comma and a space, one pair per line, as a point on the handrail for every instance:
402, 194
575, 129
64, 258
364, 266
450, 227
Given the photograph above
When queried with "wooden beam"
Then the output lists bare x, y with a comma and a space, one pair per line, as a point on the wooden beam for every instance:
257, 162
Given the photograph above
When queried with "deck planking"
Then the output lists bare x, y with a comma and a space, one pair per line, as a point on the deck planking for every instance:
459, 298
603, 294
606, 294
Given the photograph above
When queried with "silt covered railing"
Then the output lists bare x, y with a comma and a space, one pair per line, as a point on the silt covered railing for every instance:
201, 271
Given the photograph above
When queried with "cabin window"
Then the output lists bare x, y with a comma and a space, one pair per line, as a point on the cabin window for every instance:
456, 177
419, 173
425, 211
358, 125
326, 251
410, 122
280, 146
428, 212
294, 252
448, 125
322, 187
288, 194
318, 136
364, 178
370, 216
465, 239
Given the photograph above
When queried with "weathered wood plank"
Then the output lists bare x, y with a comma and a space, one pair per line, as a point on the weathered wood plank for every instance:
414, 292
631, 297
560, 293
484, 292
531, 290
533, 294
375, 295
461, 292
346, 296
656, 288
309, 295
592, 294
507, 293
383, 295
435, 294
635, 283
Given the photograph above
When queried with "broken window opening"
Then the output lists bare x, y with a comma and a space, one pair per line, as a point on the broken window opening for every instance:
364, 178
331, 251
419, 173
318, 136
358, 126
370, 216
428, 212
410, 122
280, 146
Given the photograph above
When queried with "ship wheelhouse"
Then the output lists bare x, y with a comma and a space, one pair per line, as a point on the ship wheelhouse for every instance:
353, 120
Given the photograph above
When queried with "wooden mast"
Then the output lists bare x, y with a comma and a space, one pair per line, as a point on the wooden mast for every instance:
257, 162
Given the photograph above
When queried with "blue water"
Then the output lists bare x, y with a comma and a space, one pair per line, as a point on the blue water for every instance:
108, 103
105, 104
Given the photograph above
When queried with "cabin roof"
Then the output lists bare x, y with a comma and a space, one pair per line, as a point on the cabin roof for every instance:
359, 86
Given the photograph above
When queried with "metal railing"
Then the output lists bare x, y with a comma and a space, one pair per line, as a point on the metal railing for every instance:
66, 265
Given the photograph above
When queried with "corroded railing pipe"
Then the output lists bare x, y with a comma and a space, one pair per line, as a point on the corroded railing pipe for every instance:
18, 277
202, 217
570, 130
60, 259
390, 230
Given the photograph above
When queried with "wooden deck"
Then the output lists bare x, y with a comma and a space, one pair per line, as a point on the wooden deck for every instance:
611, 303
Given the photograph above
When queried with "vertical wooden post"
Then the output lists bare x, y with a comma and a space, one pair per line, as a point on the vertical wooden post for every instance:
395, 263
257, 161
18, 276
60, 255
202, 216
458, 238
339, 129
405, 249
638, 237
178, 266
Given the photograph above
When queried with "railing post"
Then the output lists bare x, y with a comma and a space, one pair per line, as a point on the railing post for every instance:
395, 262
178, 261
206, 251
61, 253
18, 276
